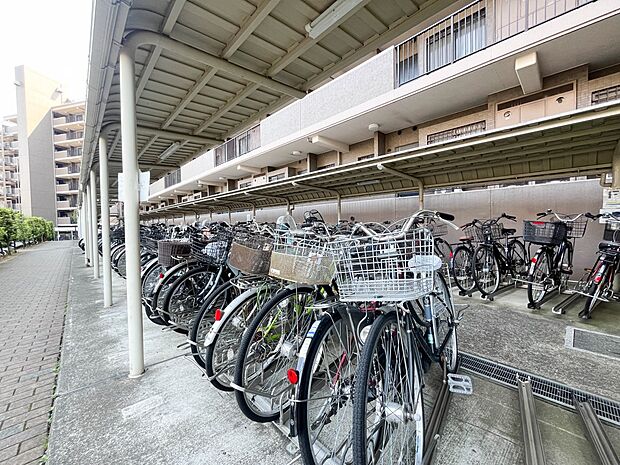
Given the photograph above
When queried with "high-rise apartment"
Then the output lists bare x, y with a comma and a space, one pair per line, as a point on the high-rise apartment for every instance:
9, 176
50, 131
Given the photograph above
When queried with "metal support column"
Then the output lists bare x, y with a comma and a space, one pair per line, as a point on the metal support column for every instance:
131, 207
104, 196
87, 242
93, 225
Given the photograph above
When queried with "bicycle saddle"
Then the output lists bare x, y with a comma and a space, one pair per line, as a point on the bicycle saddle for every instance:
609, 246
508, 231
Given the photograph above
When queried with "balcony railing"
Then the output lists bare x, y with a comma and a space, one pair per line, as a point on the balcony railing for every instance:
68, 119
64, 220
471, 29
237, 146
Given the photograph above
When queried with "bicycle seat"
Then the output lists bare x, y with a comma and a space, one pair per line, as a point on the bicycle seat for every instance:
508, 231
609, 246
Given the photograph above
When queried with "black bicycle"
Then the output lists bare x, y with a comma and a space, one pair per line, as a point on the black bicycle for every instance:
499, 257
552, 263
600, 284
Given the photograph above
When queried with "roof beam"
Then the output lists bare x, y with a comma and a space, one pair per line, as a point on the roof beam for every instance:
150, 142
249, 26
196, 88
171, 135
226, 107
340, 12
141, 37
171, 18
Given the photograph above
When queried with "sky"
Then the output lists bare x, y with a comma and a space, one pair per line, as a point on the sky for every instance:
49, 36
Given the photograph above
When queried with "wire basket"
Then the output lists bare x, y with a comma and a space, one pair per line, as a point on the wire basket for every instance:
169, 252
389, 271
304, 260
576, 228
251, 254
612, 232
544, 232
480, 231
211, 246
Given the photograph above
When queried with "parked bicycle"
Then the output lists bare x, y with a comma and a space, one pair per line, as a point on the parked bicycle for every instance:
601, 283
499, 256
552, 263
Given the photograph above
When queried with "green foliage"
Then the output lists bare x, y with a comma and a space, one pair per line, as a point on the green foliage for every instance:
16, 227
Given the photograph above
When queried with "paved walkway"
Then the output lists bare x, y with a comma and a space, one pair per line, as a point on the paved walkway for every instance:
33, 297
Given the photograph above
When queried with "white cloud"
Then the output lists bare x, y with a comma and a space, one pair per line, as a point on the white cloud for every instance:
50, 36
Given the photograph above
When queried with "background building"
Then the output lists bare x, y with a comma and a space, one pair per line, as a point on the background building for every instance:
9, 176
50, 131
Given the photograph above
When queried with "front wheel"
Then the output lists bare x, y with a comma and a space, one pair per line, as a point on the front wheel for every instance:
269, 347
388, 409
538, 279
595, 290
518, 258
443, 250
463, 269
486, 271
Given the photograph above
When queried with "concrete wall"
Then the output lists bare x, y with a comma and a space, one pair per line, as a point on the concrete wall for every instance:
370, 79
36, 94
522, 201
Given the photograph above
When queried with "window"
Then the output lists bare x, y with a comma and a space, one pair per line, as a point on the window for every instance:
304, 171
366, 157
470, 34
276, 177
461, 131
243, 185
606, 95
331, 165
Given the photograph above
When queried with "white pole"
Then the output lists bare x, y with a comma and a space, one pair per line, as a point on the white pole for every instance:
93, 224
87, 242
104, 196
131, 204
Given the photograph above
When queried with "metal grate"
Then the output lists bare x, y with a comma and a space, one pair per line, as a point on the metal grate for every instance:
606, 409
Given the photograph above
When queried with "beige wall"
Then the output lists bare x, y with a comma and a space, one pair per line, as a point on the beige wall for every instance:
36, 94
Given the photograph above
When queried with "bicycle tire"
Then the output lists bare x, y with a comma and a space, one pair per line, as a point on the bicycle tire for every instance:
249, 336
182, 324
593, 291
336, 408
443, 250
230, 323
540, 265
462, 270
521, 259
484, 256
362, 396
206, 309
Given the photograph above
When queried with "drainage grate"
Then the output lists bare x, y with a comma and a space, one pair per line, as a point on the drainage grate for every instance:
606, 409
592, 341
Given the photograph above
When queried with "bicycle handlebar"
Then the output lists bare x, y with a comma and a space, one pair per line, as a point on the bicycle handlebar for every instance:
444, 217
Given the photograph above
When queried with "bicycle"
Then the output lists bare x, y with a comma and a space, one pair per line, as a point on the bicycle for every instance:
600, 284
552, 263
462, 263
497, 256
418, 321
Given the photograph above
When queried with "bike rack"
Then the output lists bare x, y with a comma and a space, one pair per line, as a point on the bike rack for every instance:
596, 433
534, 453
437, 417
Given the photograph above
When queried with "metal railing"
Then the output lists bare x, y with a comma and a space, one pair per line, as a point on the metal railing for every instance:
172, 178
470, 29
237, 146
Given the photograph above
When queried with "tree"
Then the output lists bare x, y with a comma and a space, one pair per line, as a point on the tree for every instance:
8, 223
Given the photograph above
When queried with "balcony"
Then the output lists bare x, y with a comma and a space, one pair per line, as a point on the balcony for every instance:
66, 204
64, 221
69, 139
240, 145
61, 188
471, 29
64, 171
69, 155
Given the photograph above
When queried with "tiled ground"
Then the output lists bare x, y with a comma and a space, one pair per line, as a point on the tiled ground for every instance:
33, 298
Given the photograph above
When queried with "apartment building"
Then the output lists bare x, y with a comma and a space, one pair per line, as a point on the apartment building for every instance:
43, 147
474, 68
68, 127
9, 175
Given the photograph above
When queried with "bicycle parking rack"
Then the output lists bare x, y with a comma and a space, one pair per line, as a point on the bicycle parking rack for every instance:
532, 439
596, 433
571, 299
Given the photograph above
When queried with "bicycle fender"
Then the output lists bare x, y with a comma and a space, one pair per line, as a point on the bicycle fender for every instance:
226, 314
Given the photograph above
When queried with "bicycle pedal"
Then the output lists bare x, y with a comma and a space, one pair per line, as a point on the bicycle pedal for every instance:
460, 384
